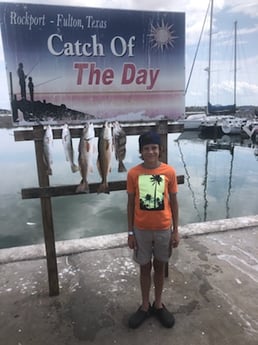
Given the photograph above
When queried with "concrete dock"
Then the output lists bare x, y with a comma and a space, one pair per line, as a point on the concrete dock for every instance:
212, 289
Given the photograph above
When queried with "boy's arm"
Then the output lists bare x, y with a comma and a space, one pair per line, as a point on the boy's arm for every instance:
130, 211
174, 210
130, 220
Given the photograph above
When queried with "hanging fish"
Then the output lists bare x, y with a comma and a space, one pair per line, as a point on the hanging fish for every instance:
86, 151
48, 149
68, 147
119, 140
104, 156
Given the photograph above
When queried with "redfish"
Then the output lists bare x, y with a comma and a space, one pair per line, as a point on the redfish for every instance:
119, 140
85, 159
48, 142
68, 147
104, 156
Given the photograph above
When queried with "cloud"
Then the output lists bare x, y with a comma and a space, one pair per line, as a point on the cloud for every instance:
245, 87
249, 8
248, 31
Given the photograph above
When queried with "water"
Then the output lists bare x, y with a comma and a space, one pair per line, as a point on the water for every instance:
218, 184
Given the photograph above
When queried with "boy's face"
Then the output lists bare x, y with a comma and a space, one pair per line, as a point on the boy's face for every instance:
150, 152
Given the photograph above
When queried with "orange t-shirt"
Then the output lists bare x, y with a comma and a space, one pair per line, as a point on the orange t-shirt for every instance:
151, 188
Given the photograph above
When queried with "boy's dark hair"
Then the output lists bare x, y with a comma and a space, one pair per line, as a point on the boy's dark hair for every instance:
149, 138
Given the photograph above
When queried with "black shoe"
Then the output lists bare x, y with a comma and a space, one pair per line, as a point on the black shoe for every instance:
139, 317
164, 316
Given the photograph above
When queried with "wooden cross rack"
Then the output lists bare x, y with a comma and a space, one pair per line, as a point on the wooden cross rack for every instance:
45, 192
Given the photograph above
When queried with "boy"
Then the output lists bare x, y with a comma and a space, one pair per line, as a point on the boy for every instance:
152, 212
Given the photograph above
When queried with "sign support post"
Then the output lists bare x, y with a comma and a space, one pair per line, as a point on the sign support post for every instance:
46, 211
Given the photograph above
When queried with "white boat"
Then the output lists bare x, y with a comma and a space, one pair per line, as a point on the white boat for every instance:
251, 129
233, 125
227, 124
214, 123
193, 121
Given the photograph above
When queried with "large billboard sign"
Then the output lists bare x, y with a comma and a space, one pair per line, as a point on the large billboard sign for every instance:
71, 64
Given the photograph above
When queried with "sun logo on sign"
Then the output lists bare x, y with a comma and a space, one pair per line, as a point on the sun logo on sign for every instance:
162, 36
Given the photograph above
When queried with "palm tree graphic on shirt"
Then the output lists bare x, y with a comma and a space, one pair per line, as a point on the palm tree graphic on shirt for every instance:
151, 189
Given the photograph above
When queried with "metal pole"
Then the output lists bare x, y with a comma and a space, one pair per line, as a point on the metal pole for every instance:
209, 66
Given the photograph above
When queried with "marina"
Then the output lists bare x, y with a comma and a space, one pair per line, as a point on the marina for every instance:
215, 186
217, 119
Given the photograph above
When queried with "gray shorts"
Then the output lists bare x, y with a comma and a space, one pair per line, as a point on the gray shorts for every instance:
152, 243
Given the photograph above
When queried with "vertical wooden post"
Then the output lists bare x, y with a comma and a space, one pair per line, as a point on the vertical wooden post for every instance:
162, 129
46, 211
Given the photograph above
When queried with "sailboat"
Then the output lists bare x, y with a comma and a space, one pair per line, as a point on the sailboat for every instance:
210, 121
221, 119
195, 120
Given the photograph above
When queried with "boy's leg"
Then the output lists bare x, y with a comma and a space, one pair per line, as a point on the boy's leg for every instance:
159, 273
145, 280
144, 311
162, 253
142, 255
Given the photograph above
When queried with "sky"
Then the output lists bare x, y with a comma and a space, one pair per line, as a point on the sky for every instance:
225, 14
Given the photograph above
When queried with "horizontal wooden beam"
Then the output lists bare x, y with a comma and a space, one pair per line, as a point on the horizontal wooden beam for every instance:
29, 134
48, 192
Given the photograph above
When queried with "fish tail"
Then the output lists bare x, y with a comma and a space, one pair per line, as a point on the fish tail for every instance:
103, 188
74, 167
83, 187
121, 167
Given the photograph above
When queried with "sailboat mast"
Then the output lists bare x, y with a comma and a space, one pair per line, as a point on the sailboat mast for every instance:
235, 61
209, 66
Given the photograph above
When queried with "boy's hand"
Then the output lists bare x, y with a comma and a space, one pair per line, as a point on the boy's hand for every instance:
175, 239
132, 242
